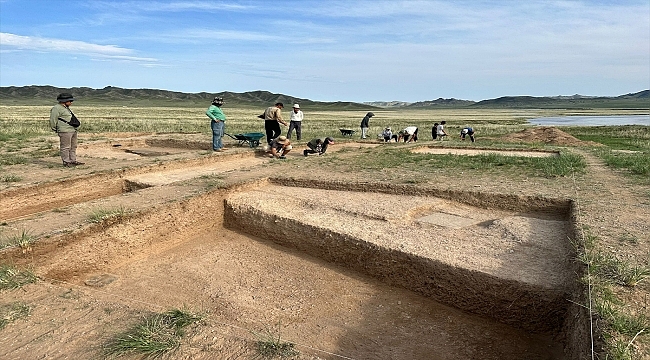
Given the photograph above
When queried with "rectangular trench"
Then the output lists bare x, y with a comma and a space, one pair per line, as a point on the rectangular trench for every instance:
533, 307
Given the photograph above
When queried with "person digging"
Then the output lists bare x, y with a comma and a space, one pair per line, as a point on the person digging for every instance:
318, 146
279, 147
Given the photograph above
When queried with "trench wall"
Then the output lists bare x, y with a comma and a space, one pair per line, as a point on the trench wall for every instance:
520, 304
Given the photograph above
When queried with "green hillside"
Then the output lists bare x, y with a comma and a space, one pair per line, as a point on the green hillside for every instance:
115, 96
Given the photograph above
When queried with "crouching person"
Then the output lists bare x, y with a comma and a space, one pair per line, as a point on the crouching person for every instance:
318, 146
279, 147
467, 131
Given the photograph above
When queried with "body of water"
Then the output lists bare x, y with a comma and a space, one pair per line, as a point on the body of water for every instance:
593, 120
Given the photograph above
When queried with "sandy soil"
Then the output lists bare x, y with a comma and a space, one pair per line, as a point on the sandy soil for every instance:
172, 251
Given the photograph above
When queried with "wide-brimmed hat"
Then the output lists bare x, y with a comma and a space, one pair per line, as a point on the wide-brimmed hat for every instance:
64, 97
281, 140
296, 106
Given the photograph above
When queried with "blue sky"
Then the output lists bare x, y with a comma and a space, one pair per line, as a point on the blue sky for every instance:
331, 50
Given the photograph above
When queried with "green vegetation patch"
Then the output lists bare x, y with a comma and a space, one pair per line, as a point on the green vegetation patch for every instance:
621, 324
8, 159
14, 278
154, 336
562, 165
626, 147
12, 312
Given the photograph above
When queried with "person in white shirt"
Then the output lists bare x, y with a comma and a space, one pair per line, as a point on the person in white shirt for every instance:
441, 130
295, 122
410, 133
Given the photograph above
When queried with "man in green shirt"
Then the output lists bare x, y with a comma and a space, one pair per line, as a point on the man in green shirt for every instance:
218, 123
61, 118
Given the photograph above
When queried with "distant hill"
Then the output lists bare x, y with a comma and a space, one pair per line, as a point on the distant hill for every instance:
639, 100
441, 103
115, 96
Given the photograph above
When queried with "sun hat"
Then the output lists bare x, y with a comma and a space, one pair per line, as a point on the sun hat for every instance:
281, 140
296, 106
64, 97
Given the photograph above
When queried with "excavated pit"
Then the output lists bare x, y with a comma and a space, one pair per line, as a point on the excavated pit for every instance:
21, 202
399, 272
514, 266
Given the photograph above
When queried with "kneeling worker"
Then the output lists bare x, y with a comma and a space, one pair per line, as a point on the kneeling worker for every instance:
467, 131
279, 147
318, 146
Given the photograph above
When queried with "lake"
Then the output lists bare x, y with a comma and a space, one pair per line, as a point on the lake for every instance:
593, 120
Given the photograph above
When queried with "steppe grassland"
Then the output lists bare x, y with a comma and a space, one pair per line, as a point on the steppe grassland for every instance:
21, 122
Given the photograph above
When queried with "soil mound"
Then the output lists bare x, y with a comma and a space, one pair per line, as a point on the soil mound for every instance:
546, 135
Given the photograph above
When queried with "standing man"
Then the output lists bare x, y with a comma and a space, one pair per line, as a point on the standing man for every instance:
295, 122
65, 124
364, 124
272, 121
217, 123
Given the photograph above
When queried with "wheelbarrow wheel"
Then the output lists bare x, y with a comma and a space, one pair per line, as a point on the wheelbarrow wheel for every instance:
254, 143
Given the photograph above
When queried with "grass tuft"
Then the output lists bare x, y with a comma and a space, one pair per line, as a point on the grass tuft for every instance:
23, 241
270, 345
154, 336
101, 215
12, 312
10, 178
13, 278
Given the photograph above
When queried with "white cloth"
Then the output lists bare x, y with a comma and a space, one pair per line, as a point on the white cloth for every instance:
296, 116
410, 130
441, 130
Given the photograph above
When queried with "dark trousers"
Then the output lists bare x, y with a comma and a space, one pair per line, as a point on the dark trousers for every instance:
295, 125
272, 128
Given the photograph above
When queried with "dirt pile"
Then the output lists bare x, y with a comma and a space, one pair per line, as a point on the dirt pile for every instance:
546, 135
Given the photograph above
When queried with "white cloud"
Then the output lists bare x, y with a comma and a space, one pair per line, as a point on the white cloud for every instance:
173, 6
69, 46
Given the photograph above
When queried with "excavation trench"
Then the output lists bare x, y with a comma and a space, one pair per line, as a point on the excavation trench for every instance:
396, 272
22, 202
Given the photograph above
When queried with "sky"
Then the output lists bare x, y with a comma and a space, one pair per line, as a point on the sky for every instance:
332, 50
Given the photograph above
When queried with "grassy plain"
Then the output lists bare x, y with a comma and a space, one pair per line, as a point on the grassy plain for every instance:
21, 122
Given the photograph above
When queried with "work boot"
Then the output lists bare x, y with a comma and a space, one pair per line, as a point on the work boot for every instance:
304, 152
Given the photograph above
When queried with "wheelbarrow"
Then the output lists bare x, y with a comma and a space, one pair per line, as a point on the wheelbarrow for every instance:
252, 139
347, 132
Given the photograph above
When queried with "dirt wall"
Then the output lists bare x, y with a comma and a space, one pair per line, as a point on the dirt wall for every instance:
520, 304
